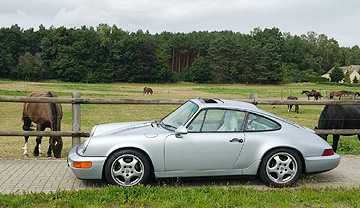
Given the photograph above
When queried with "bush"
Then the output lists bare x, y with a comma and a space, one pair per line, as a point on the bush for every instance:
318, 79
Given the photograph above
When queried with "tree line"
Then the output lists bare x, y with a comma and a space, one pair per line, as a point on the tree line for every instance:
110, 54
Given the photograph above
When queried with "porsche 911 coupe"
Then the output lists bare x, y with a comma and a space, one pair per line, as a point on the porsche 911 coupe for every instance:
203, 137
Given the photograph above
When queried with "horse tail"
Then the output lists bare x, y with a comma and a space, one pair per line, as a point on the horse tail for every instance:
324, 118
53, 113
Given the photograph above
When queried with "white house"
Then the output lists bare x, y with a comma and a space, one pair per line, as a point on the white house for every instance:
353, 69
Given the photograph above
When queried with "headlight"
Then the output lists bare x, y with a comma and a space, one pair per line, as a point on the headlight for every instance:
82, 147
85, 144
92, 131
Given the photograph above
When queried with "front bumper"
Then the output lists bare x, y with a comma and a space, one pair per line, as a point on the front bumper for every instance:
321, 163
95, 172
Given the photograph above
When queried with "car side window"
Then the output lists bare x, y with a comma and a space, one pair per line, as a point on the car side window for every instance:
217, 120
196, 124
259, 123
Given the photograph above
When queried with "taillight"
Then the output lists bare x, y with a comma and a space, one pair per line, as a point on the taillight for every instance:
328, 152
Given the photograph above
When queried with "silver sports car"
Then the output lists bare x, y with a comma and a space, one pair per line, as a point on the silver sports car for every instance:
203, 137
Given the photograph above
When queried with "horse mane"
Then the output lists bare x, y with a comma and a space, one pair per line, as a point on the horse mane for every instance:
53, 113
324, 118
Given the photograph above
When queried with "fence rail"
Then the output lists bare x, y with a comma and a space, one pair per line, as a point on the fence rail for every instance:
76, 101
46, 133
20, 99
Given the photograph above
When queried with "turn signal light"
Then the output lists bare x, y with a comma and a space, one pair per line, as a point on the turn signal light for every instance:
82, 165
328, 152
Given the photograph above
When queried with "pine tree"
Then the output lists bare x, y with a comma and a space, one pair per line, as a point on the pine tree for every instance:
337, 74
355, 80
347, 77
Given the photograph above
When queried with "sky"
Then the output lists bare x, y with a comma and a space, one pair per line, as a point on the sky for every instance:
338, 19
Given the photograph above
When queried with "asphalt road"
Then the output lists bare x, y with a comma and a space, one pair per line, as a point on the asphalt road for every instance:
50, 175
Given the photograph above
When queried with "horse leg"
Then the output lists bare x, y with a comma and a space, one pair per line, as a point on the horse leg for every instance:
359, 137
324, 137
37, 150
289, 108
25, 146
297, 108
49, 150
335, 141
26, 127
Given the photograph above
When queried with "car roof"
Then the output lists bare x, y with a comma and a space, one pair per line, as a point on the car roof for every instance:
239, 105
224, 103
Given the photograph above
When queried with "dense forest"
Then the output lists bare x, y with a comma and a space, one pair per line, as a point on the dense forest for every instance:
110, 54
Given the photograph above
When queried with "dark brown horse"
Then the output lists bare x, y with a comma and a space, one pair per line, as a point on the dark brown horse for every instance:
148, 90
339, 117
44, 115
337, 94
290, 106
312, 93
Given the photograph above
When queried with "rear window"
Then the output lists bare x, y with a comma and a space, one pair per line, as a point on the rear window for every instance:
260, 123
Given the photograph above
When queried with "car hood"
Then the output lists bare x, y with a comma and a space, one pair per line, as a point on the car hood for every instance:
116, 128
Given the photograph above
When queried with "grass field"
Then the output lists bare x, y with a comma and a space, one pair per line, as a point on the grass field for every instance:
11, 113
162, 196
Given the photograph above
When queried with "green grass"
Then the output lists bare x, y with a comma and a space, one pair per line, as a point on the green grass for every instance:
162, 196
14, 93
88, 87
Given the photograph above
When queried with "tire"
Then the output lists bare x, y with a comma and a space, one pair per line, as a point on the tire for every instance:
127, 168
280, 167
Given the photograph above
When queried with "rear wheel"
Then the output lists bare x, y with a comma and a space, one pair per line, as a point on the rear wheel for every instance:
280, 167
127, 168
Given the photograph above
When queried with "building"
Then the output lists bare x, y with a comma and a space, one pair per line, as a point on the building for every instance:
353, 70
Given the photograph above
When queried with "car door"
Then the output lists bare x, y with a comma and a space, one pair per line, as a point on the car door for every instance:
214, 141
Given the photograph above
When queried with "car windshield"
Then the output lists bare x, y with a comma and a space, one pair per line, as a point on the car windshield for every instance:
180, 116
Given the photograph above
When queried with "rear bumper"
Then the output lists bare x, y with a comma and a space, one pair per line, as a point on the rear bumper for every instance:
95, 172
321, 163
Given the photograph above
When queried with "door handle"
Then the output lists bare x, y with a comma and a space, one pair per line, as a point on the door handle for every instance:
237, 140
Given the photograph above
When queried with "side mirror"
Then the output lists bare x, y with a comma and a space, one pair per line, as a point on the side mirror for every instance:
180, 131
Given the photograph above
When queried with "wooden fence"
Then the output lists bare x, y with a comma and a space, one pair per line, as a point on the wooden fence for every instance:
76, 101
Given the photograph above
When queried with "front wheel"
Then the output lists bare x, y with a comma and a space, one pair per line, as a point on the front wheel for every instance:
127, 168
280, 167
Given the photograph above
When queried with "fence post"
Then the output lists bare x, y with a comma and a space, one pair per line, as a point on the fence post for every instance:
76, 121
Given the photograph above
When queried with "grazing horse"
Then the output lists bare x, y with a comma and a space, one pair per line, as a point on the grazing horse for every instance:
350, 93
339, 117
44, 115
312, 93
337, 94
290, 106
148, 90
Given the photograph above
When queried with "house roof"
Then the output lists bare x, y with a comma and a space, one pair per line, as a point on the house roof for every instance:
351, 68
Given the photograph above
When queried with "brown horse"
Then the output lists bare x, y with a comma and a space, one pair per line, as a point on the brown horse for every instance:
337, 94
312, 93
44, 115
350, 93
290, 106
148, 90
